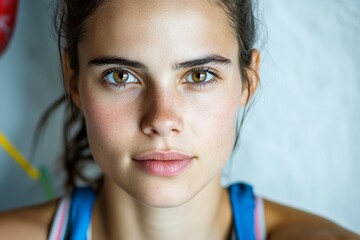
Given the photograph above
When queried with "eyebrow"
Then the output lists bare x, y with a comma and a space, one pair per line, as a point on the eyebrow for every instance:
208, 59
118, 61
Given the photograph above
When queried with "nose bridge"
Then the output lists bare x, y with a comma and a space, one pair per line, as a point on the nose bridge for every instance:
160, 105
161, 115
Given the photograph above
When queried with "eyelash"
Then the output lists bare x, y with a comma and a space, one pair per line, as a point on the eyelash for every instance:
200, 85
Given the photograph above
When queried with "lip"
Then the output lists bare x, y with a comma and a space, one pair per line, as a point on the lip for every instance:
163, 163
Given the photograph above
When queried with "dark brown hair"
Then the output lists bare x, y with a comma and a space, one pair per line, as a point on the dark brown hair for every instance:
70, 26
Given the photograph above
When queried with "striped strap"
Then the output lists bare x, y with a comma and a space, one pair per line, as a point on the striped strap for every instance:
260, 226
60, 220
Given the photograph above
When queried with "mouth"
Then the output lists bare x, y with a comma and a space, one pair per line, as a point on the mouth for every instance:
163, 163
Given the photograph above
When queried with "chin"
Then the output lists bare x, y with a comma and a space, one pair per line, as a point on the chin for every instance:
166, 201
165, 195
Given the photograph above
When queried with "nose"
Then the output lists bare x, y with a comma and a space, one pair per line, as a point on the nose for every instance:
162, 114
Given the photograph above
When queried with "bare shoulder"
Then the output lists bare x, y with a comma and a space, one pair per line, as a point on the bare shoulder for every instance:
284, 222
27, 223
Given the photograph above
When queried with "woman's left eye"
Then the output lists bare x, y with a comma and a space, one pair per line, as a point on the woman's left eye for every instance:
200, 76
120, 76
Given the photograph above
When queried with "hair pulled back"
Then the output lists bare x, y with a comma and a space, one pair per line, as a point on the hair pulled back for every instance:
70, 25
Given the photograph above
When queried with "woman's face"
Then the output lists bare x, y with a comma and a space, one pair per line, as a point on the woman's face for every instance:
159, 81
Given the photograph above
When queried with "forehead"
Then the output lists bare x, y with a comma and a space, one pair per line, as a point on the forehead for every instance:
182, 28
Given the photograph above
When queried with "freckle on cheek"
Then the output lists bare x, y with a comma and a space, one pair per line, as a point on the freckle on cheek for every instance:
107, 118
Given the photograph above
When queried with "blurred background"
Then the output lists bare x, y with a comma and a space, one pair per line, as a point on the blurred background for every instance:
300, 144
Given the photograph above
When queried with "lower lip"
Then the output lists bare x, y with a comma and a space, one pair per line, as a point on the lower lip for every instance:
166, 168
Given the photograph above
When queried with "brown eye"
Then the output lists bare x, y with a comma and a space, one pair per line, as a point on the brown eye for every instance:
120, 77
199, 76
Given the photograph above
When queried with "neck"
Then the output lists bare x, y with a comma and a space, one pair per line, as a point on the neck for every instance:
206, 216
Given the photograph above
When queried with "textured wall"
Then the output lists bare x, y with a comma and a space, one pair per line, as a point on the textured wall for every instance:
301, 141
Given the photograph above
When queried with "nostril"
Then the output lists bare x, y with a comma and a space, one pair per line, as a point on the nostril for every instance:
174, 130
154, 132
149, 131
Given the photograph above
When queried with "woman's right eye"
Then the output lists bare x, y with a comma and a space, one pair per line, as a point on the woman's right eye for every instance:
120, 76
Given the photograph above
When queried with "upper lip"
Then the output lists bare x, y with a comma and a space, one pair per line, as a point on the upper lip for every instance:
162, 156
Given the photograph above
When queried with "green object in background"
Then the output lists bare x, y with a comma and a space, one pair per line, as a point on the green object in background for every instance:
45, 182
34, 173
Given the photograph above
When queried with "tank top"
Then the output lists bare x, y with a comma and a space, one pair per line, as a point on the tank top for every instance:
72, 219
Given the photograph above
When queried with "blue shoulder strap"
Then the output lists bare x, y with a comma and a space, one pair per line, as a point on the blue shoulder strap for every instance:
82, 202
243, 205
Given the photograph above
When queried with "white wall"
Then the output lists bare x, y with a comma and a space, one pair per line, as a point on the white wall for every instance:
300, 144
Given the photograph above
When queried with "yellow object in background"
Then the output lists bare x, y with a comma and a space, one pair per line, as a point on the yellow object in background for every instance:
18, 157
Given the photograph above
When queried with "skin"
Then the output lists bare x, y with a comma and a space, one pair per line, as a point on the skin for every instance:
161, 109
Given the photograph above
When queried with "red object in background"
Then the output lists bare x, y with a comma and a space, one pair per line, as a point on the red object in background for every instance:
7, 21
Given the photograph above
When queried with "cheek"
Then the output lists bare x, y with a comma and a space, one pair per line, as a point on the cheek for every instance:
101, 121
215, 125
222, 132
109, 121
